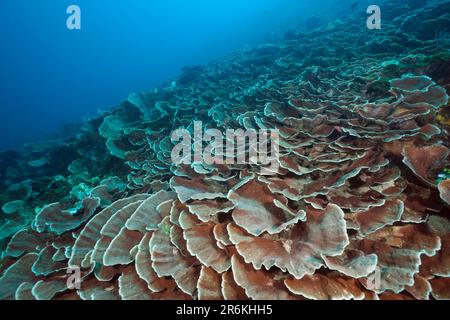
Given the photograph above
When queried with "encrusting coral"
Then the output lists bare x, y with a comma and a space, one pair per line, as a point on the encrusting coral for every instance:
358, 208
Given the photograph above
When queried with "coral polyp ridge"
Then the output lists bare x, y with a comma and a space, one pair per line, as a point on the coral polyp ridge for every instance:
358, 208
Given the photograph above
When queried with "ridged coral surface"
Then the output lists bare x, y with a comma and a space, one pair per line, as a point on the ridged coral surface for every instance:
358, 208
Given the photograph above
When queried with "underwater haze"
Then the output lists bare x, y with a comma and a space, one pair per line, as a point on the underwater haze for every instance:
51, 76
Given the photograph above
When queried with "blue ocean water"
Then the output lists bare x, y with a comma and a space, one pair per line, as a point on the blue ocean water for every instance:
51, 76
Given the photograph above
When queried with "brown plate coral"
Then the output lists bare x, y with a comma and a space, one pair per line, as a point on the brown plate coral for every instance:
358, 208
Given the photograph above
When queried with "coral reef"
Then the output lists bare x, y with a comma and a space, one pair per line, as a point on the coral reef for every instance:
358, 209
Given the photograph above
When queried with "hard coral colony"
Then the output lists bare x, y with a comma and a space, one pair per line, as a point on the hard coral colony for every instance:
357, 210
